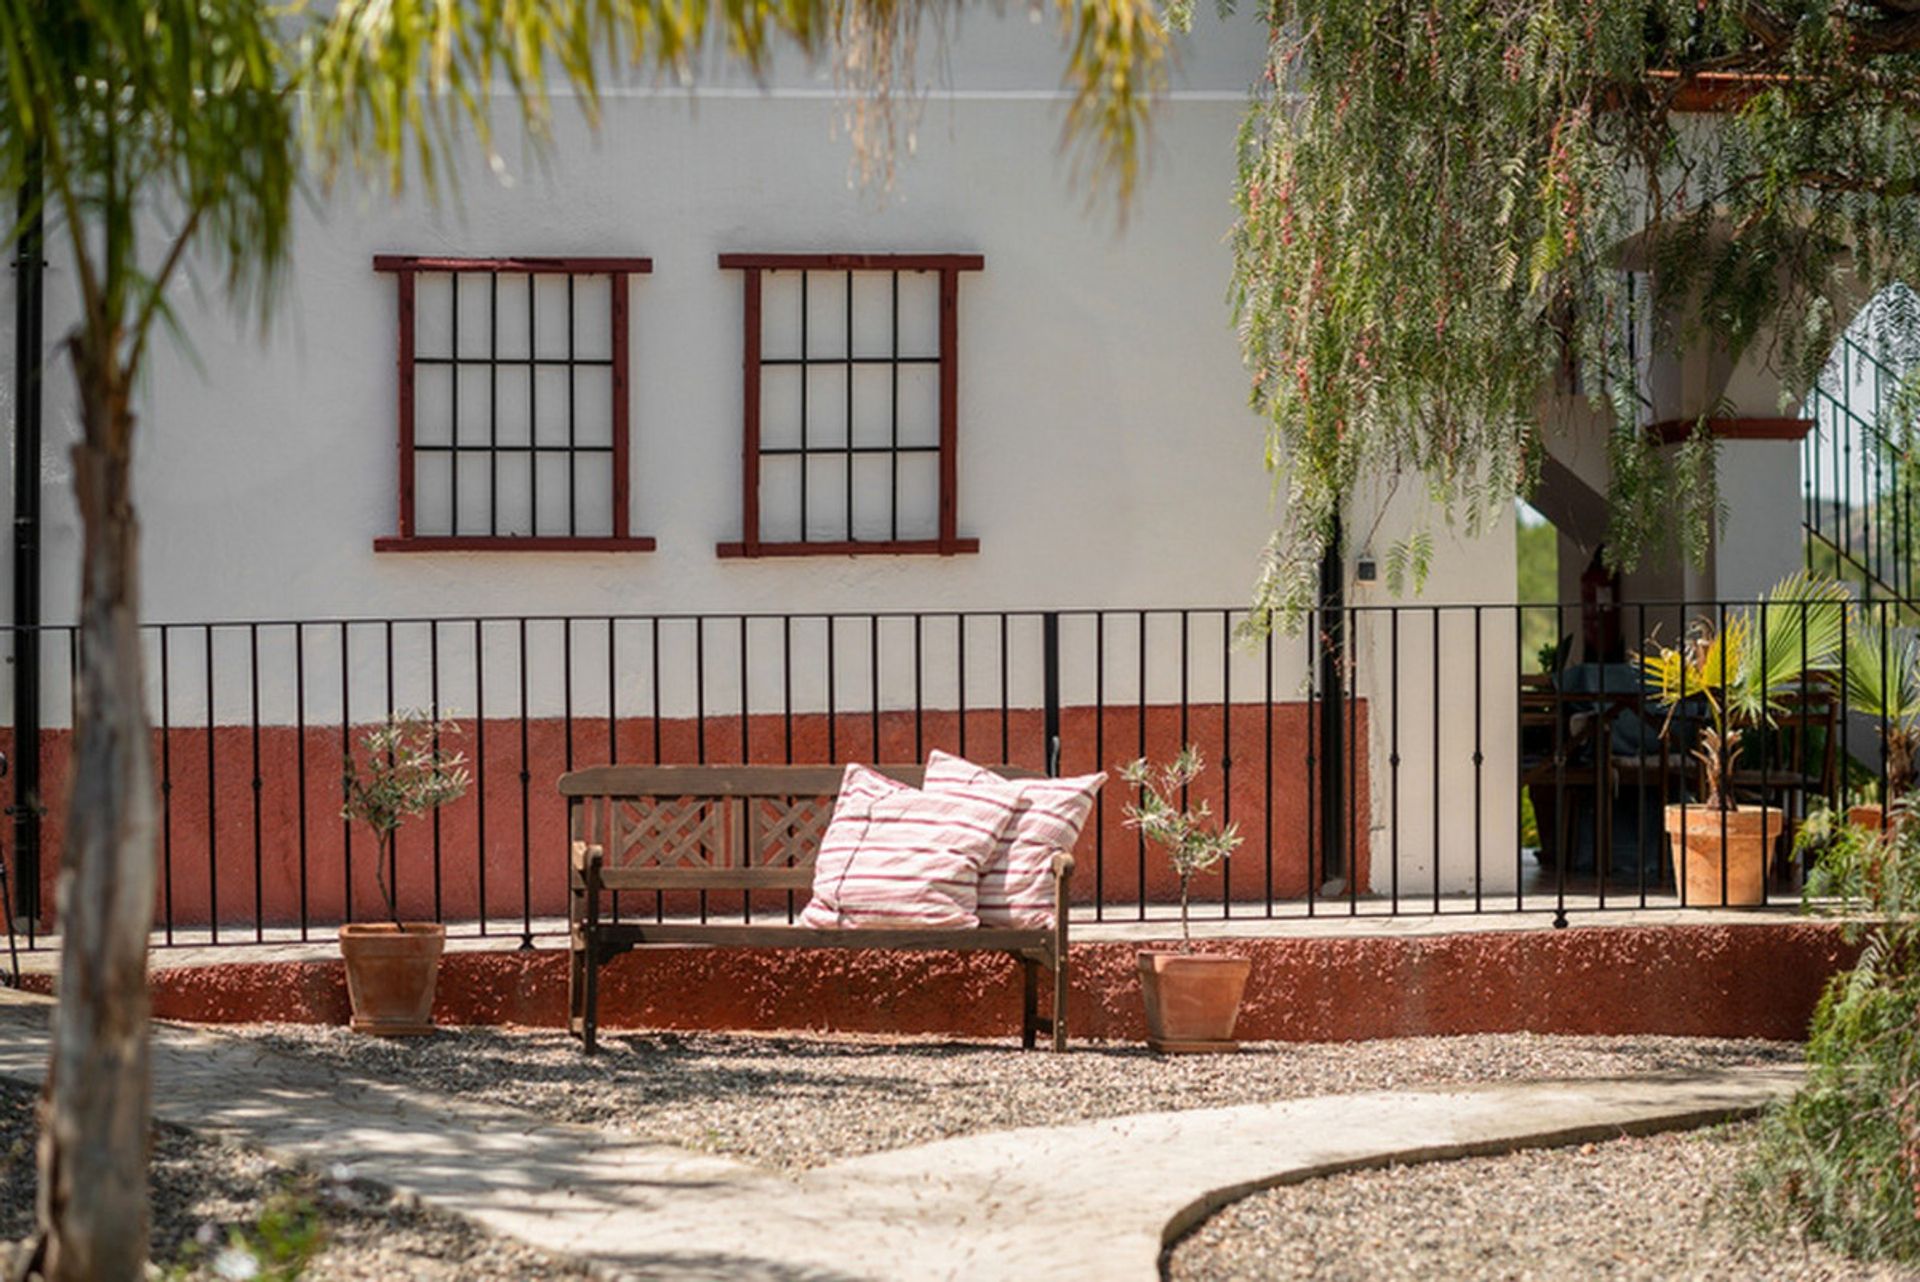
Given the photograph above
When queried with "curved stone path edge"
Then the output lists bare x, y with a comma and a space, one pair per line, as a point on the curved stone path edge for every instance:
1098, 1200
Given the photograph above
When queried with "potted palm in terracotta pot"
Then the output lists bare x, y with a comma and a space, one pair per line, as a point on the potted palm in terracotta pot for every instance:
1739, 670
392, 966
1192, 999
1883, 682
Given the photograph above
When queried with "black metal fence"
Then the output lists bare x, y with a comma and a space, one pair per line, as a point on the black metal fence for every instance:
1433, 768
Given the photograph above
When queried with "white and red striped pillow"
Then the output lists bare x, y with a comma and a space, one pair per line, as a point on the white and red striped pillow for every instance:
898, 856
1016, 888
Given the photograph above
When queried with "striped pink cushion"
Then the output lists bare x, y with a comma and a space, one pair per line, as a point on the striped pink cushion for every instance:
1016, 889
897, 856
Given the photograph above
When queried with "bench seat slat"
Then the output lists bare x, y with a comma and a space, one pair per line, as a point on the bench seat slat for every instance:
964, 939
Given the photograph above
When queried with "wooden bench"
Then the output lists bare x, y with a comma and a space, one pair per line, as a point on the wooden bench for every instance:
746, 829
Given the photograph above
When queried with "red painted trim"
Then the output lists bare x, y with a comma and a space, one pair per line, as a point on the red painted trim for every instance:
538, 266
854, 262
621, 480
1672, 431
511, 543
903, 547
750, 411
949, 407
406, 405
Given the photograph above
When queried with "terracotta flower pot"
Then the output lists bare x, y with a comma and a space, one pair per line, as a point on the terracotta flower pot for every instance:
1747, 849
391, 971
1870, 816
1193, 999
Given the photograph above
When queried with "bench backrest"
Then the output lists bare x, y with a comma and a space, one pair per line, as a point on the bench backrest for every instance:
711, 827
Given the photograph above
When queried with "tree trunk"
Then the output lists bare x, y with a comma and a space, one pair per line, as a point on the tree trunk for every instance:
94, 1138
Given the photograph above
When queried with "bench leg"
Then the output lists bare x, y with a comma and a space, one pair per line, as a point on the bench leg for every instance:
1060, 1000
590, 1024
1029, 1002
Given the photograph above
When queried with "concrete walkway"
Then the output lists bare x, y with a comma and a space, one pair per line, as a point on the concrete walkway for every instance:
1095, 1200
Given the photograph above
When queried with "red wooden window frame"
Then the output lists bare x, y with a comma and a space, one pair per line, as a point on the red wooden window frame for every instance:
405, 268
948, 267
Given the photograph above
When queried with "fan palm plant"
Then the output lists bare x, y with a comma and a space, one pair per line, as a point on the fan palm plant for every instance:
1742, 665
1883, 682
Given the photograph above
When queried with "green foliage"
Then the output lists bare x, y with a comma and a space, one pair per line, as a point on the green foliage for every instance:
401, 771
1743, 663
1186, 833
1838, 1160
1439, 206
276, 1247
1883, 682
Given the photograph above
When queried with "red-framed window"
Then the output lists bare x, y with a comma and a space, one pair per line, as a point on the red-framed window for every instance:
513, 404
851, 399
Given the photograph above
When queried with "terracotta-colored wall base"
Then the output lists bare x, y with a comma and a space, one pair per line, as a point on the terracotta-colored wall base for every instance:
1758, 980
251, 829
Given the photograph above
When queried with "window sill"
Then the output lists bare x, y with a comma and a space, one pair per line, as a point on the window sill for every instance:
487, 543
903, 547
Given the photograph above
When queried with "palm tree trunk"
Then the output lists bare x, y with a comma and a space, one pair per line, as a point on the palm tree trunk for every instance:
93, 1147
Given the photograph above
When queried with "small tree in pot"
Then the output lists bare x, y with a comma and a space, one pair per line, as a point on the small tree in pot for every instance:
1192, 999
392, 966
1883, 683
1741, 669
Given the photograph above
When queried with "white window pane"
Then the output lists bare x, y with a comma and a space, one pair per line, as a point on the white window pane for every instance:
780, 407
514, 493
873, 405
919, 404
919, 496
512, 410
826, 313
432, 493
780, 499
550, 405
826, 405
826, 519
471, 508
550, 317
511, 318
593, 494
873, 314
920, 313
592, 405
779, 315
473, 291
472, 423
433, 315
593, 316
433, 404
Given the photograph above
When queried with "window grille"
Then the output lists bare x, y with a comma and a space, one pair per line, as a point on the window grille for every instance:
851, 404
513, 404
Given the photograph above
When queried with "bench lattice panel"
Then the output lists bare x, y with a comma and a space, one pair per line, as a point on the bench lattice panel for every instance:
787, 830
671, 832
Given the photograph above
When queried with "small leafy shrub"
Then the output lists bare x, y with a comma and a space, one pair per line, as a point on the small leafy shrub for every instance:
401, 771
1840, 1160
276, 1247
1187, 834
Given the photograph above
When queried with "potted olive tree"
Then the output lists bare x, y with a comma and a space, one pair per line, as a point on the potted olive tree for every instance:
392, 965
1192, 999
1883, 682
1739, 670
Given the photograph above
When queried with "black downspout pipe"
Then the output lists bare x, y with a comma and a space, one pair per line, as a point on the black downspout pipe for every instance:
29, 304
1331, 631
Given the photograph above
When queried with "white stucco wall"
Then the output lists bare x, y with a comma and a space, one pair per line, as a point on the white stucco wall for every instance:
1107, 457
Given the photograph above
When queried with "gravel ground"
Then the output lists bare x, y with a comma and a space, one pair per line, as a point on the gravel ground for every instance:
791, 1102
1655, 1208
203, 1188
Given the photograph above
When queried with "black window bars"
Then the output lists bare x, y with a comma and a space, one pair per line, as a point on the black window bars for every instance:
924, 524
513, 520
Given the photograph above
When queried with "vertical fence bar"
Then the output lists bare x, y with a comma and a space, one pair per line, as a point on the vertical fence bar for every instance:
300, 761
433, 695
253, 716
346, 755
1099, 763
1050, 670
526, 792
166, 787
213, 807
480, 769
